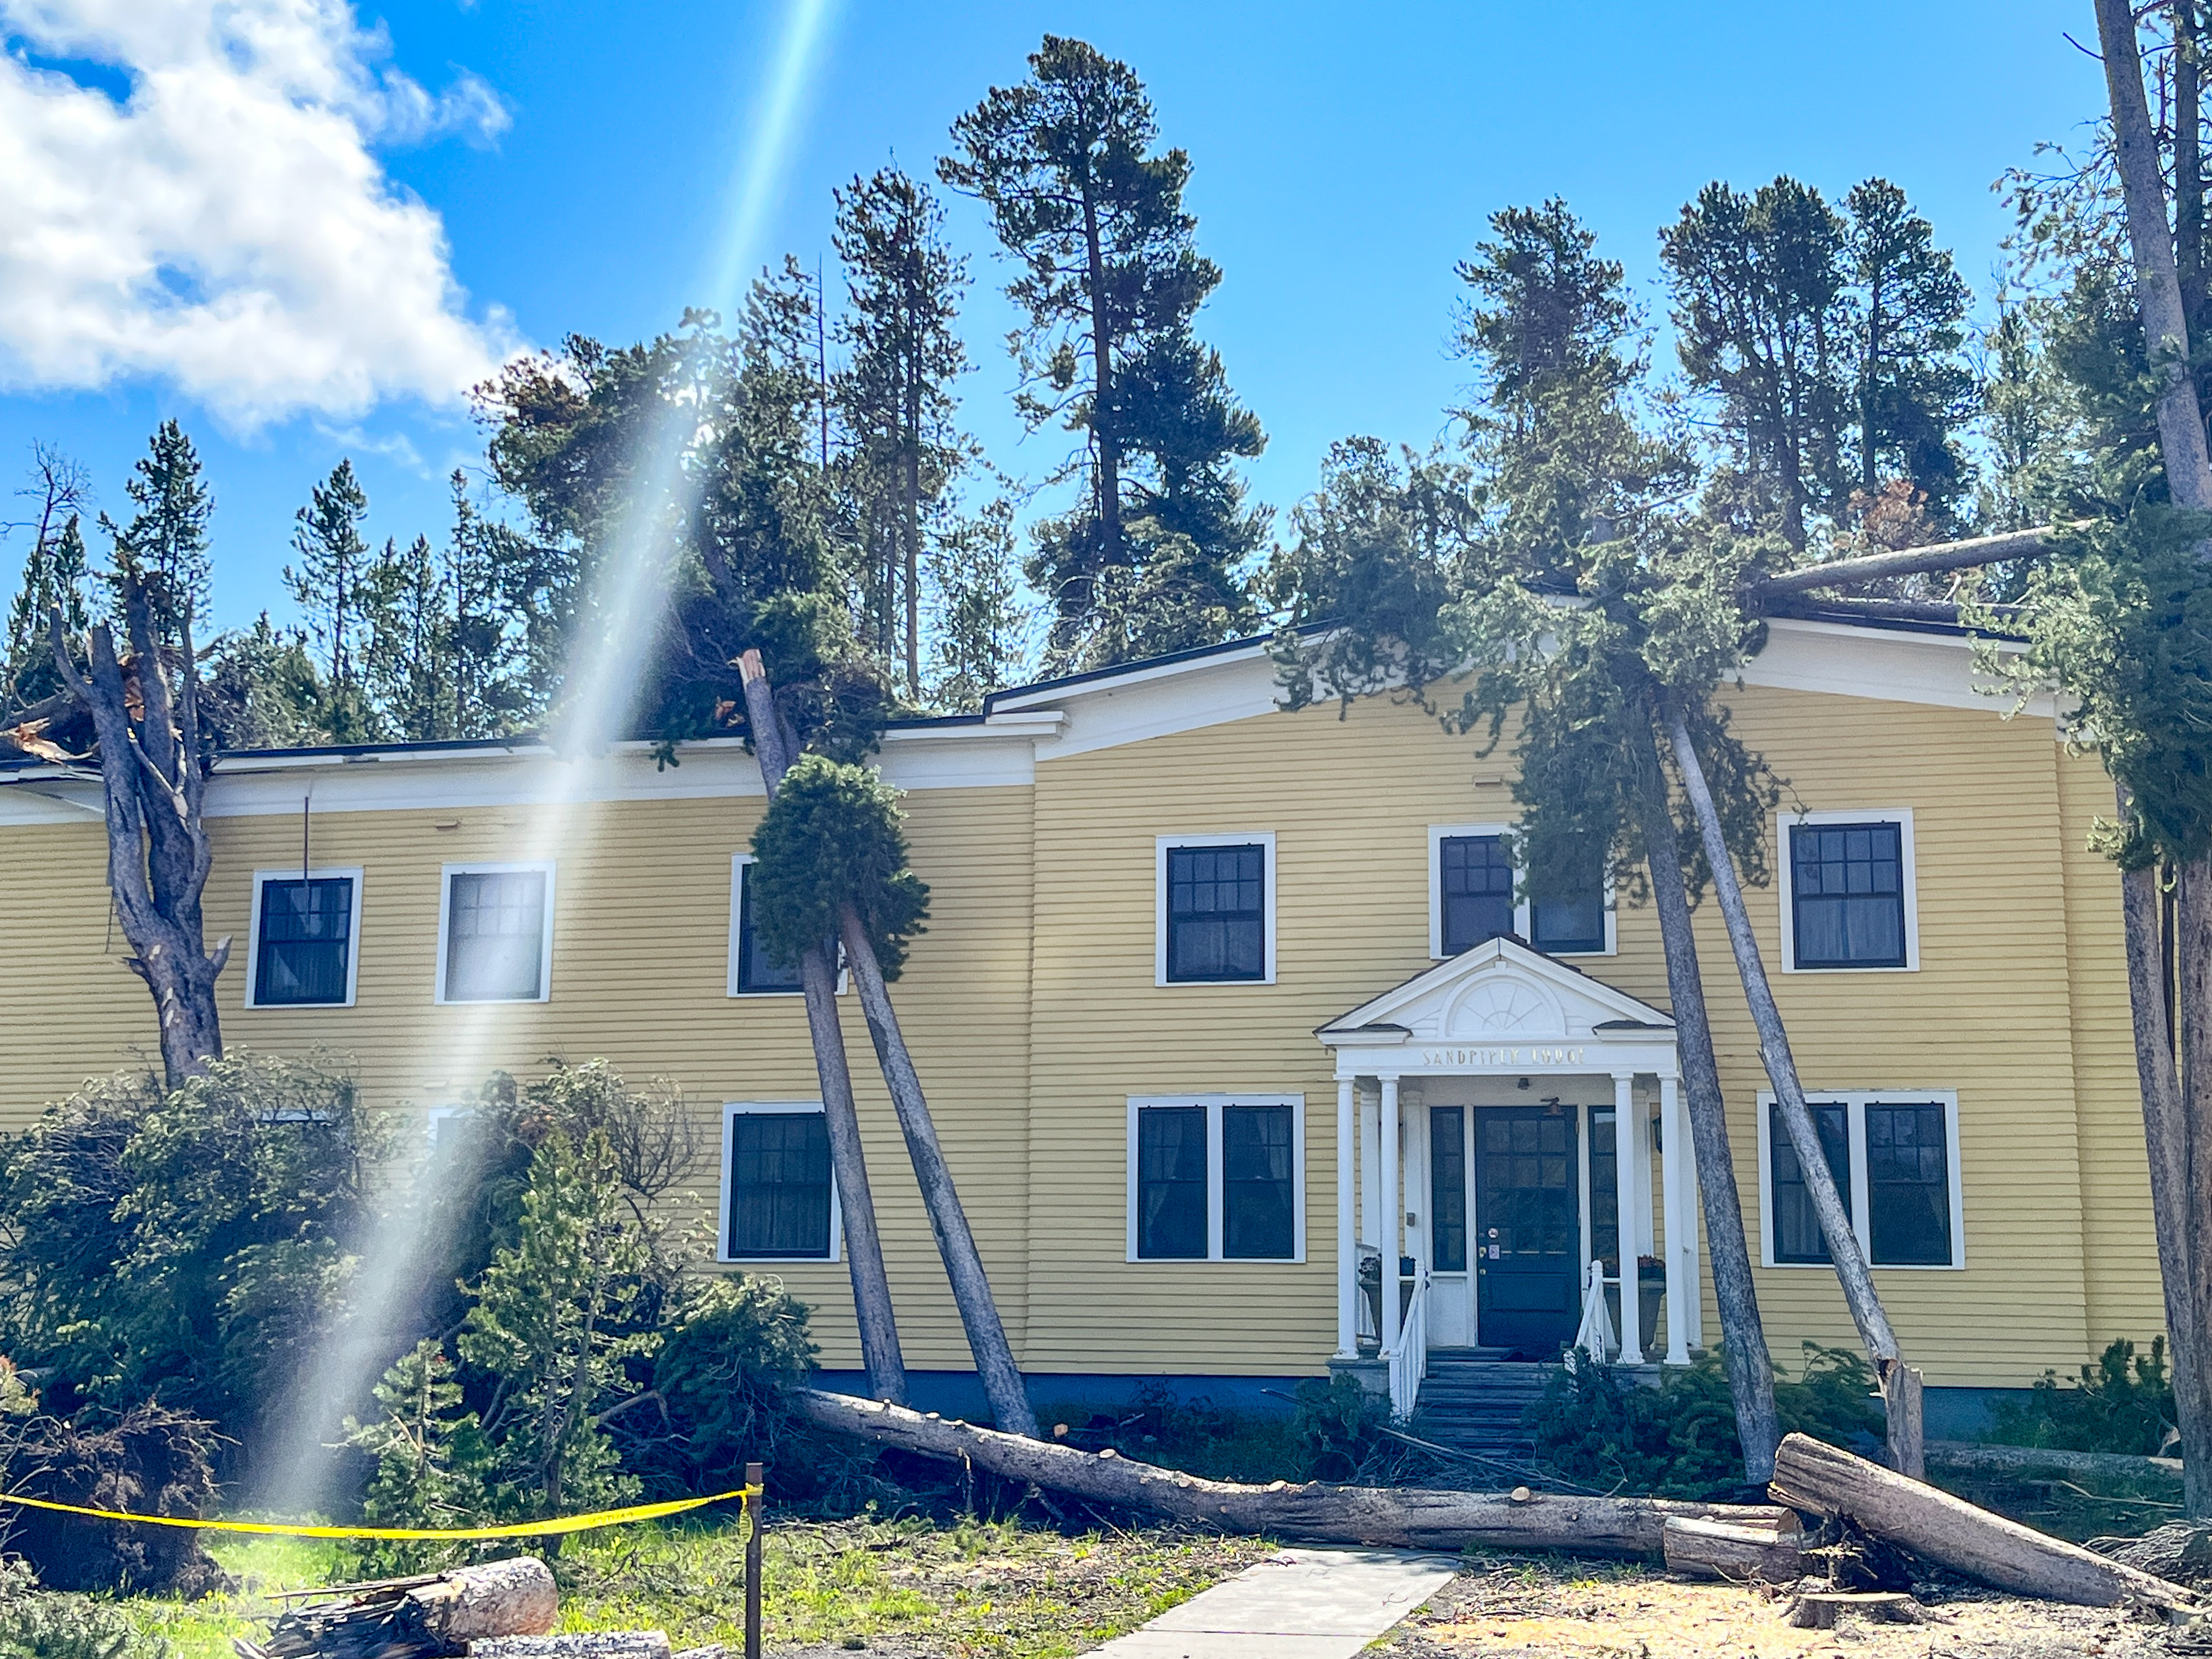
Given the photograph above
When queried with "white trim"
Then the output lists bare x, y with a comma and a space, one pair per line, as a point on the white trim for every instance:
336, 872
1523, 917
1855, 1103
734, 1108
445, 874
1214, 1173
1786, 882
1264, 839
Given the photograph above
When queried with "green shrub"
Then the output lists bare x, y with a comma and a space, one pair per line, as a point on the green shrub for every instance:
37, 1623
735, 1348
1602, 1429
2123, 1403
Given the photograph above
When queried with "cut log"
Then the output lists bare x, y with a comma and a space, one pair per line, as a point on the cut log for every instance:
576, 1644
1954, 1534
1720, 1549
2012, 1460
418, 1618
1400, 1518
1817, 1609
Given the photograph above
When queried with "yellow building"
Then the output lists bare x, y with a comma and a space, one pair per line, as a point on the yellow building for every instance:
1213, 1005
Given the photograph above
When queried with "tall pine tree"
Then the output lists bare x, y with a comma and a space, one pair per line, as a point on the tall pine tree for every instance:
333, 565
166, 543
1111, 280
53, 579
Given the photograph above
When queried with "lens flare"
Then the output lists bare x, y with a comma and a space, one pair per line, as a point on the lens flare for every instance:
601, 691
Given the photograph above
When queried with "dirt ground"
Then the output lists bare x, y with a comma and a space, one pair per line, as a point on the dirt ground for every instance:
1514, 1607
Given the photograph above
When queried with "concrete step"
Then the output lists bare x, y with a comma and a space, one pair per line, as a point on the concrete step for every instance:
1474, 1401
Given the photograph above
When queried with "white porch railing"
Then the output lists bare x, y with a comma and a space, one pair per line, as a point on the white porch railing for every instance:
1594, 1336
1409, 1360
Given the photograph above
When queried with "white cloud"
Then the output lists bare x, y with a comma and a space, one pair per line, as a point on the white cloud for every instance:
227, 226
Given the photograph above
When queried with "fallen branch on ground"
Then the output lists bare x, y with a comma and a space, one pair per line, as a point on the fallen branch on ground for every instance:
1406, 1517
416, 1618
1951, 1533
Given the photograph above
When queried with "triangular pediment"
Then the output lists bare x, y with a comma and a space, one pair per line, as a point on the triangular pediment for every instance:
1499, 992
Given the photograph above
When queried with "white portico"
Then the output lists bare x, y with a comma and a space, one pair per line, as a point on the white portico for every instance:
1494, 1137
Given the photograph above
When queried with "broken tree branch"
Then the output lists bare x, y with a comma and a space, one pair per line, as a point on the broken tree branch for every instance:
1910, 562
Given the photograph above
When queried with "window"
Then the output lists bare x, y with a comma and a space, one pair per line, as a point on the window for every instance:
301, 949
1894, 1156
1797, 1236
1476, 892
778, 1195
1217, 1178
1605, 1188
495, 937
751, 972
1847, 899
1216, 921
1448, 1186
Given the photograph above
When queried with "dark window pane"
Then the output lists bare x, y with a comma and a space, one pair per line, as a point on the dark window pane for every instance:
1217, 913
1259, 1199
1847, 891
1475, 881
1171, 1182
495, 937
1605, 1189
778, 1185
307, 930
1797, 1236
1573, 921
1447, 1187
1908, 1185
756, 971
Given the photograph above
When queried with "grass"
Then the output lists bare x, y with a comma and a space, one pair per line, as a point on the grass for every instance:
967, 1588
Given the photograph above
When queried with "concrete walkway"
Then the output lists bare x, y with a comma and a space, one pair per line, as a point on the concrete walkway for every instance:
1297, 1604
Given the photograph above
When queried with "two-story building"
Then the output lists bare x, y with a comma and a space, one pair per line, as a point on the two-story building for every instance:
1216, 1000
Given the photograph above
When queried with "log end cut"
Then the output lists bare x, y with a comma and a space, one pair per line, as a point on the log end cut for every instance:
1699, 1548
512, 1598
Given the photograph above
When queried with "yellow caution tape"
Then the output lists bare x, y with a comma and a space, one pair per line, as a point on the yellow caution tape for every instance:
516, 1530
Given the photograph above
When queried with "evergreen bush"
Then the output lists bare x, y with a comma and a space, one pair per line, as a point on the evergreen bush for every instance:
2123, 1403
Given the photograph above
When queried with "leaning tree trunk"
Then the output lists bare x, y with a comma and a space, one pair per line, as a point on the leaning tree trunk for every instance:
2176, 1108
1744, 1352
153, 784
817, 977
1796, 1117
956, 1241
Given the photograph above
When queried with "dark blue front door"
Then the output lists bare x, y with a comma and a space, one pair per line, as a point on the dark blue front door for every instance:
1527, 1233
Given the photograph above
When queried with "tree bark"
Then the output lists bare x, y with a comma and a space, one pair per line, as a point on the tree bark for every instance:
1951, 1533
1842, 1243
576, 1644
2188, 164
817, 977
1405, 1517
1935, 557
1744, 1353
154, 785
1728, 1550
1104, 428
956, 1241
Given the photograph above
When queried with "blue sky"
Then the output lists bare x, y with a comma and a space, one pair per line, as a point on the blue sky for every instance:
587, 166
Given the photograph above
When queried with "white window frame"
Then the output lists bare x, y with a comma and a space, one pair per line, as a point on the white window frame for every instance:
1855, 1103
732, 1109
333, 873
1523, 919
445, 920
1215, 1173
738, 861
1265, 840
1786, 882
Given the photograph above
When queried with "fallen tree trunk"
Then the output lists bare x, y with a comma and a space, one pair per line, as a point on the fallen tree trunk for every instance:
1722, 1549
2007, 1460
1403, 1517
1928, 560
443, 1613
1951, 1533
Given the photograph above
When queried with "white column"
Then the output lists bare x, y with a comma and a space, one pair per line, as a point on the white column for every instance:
1347, 1242
1624, 1163
1371, 1172
1647, 1243
1393, 1214
1675, 1161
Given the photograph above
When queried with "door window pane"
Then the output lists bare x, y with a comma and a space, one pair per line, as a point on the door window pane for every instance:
1847, 892
1475, 880
1797, 1236
1447, 1187
1258, 1217
756, 971
495, 937
1171, 1182
1217, 913
1605, 1189
778, 1185
1908, 1185
306, 937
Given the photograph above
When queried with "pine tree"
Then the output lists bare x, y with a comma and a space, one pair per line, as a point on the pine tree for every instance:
53, 579
333, 566
1111, 280
894, 397
1913, 388
166, 543
980, 623
407, 669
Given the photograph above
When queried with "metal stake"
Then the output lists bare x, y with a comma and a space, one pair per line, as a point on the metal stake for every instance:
755, 1508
